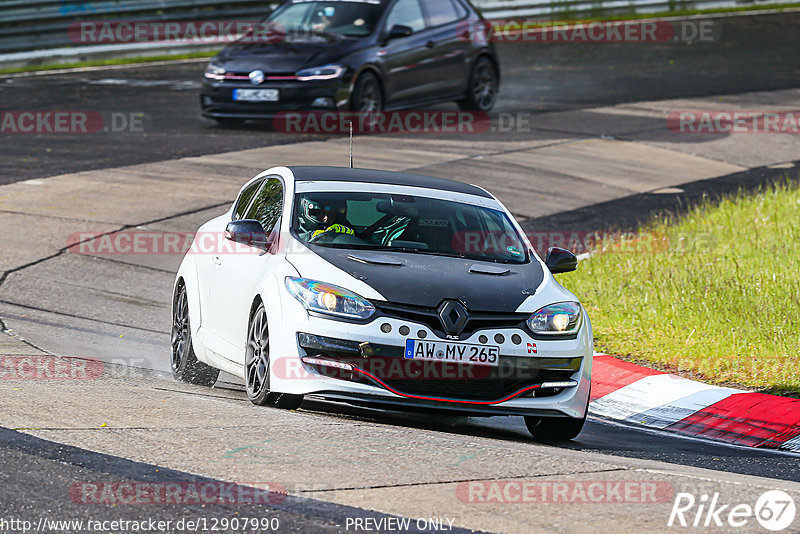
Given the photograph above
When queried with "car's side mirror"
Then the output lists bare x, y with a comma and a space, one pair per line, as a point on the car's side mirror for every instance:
399, 30
560, 260
248, 232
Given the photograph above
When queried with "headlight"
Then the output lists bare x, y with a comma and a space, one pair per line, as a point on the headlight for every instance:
328, 299
556, 319
214, 72
328, 72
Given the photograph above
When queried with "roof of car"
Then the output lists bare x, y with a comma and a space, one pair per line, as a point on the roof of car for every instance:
372, 176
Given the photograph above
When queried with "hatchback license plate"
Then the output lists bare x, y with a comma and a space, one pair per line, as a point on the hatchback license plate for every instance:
256, 95
439, 351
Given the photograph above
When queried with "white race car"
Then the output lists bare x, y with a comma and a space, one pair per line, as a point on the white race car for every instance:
382, 289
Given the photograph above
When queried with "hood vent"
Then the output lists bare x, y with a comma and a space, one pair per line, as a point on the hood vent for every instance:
489, 269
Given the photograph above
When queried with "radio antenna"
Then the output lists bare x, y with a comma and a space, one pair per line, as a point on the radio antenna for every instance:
351, 144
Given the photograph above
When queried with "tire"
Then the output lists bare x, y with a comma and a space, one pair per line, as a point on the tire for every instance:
256, 366
185, 365
367, 93
554, 428
482, 87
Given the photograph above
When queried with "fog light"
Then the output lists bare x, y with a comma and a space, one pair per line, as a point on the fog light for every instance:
207, 100
322, 102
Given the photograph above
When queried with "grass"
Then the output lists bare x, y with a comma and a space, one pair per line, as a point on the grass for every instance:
107, 62
714, 293
675, 13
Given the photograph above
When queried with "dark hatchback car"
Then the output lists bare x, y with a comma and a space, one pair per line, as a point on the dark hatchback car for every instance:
358, 55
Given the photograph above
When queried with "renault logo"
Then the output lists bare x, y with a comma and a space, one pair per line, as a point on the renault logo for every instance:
453, 316
256, 77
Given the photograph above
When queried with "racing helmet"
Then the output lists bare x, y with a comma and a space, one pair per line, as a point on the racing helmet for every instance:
313, 211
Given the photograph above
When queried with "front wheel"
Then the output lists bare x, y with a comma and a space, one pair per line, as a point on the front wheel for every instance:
185, 365
367, 94
482, 87
257, 366
554, 428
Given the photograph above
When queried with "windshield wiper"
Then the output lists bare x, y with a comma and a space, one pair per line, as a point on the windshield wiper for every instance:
331, 35
414, 250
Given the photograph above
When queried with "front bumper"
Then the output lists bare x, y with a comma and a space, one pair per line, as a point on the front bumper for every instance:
362, 364
216, 98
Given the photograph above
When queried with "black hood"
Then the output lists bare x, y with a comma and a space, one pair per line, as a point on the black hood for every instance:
284, 57
425, 280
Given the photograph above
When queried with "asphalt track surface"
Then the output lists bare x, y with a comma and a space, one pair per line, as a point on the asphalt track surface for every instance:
51, 468
759, 53
747, 53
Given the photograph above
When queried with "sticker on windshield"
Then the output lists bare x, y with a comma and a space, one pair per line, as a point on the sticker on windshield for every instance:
514, 251
433, 222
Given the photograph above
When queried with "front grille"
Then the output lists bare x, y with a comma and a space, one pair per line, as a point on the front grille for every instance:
430, 317
268, 76
447, 380
478, 389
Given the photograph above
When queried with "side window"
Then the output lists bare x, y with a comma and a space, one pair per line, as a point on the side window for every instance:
441, 12
268, 204
244, 199
408, 13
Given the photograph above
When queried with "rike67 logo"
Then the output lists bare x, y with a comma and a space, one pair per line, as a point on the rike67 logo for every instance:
774, 510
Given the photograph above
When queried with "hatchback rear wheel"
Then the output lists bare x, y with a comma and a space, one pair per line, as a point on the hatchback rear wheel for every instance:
185, 365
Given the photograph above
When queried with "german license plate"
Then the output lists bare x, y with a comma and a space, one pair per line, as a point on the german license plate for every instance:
439, 351
256, 95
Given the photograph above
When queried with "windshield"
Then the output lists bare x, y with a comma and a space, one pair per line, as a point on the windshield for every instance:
353, 18
420, 225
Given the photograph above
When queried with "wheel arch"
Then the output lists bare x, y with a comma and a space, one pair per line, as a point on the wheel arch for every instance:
485, 52
374, 69
257, 301
187, 276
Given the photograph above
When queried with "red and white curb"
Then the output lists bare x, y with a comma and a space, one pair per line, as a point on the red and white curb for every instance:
628, 392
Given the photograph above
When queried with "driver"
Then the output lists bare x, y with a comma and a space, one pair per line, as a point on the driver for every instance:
329, 215
324, 19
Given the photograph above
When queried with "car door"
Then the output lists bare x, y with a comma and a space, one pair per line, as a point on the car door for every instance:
446, 22
407, 60
238, 270
210, 242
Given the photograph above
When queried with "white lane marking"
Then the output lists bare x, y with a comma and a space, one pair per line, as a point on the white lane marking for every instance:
792, 445
106, 67
173, 84
663, 416
665, 398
